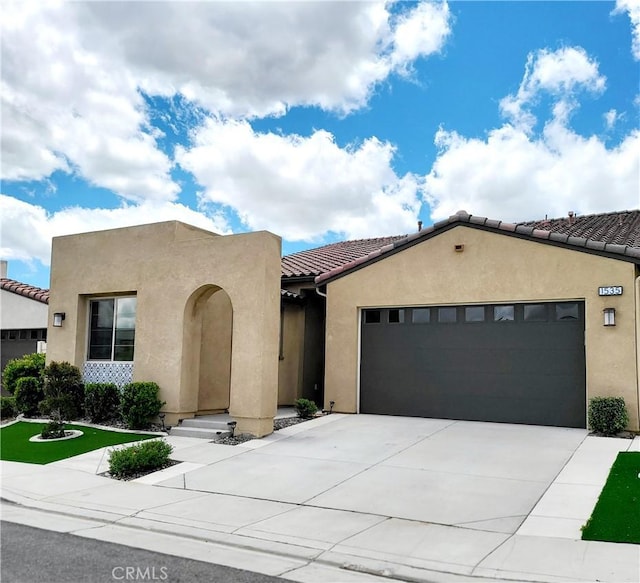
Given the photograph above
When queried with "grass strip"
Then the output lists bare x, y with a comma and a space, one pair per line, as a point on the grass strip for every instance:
16, 447
616, 516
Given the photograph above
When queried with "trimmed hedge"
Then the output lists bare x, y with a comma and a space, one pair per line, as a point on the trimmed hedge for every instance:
140, 404
101, 401
7, 407
29, 365
29, 395
143, 457
63, 391
607, 415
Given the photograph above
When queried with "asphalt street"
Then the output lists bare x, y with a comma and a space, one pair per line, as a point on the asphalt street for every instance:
33, 555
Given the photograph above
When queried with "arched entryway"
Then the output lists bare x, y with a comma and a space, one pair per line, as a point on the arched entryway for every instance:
207, 346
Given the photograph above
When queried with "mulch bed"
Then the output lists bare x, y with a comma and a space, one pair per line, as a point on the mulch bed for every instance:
620, 435
277, 425
169, 464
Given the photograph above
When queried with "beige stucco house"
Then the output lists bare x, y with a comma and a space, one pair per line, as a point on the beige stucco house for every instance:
196, 312
481, 320
468, 319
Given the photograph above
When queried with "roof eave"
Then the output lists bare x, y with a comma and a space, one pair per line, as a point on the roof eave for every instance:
618, 252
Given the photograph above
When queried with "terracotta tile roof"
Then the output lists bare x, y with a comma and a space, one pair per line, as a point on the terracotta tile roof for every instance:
26, 290
620, 228
610, 228
313, 262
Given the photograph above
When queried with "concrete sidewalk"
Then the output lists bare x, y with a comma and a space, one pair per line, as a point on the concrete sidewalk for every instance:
352, 498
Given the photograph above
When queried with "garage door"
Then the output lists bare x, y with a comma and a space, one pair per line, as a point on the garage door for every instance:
512, 363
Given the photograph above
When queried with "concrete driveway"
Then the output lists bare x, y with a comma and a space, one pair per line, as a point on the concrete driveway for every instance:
353, 498
483, 476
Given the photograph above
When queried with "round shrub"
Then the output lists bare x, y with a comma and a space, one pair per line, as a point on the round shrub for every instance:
7, 407
63, 391
607, 415
29, 395
140, 404
101, 401
305, 408
29, 365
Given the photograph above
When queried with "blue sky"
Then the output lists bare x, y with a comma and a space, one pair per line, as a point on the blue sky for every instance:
319, 121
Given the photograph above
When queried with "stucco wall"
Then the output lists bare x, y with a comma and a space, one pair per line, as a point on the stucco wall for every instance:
19, 312
168, 265
492, 268
215, 354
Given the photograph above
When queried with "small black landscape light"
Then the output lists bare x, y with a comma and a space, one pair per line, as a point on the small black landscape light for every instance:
331, 404
58, 318
232, 426
162, 416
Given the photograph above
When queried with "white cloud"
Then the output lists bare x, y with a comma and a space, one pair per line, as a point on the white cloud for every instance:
515, 175
610, 119
72, 73
18, 217
301, 187
243, 59
561, 74
64, 108
421, 32
632, 8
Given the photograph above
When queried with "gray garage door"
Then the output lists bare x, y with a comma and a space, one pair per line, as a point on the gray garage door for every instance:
512, 363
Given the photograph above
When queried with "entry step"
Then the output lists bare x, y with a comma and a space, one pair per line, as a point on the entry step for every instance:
207, 423
200, 432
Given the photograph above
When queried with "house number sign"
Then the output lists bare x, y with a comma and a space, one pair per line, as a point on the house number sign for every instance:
610, 290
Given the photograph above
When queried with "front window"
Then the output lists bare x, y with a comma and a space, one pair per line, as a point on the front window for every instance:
112, 329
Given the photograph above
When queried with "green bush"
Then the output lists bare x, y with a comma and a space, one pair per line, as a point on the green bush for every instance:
101, 401
29, 395
607, 415
143, 457
7, 407
305, 408
63, 391
53, 430
140, 404
29, 365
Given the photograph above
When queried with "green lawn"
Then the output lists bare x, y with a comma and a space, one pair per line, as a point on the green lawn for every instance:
616, 517
16, 447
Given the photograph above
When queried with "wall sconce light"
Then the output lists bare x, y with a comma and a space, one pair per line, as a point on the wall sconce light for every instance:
609, 316
58, 318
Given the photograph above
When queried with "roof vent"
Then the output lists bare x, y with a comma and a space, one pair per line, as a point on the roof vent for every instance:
572, 217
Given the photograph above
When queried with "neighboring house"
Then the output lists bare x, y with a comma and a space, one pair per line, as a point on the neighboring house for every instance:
468, 319
23, 317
